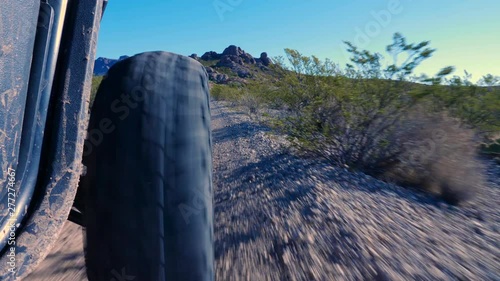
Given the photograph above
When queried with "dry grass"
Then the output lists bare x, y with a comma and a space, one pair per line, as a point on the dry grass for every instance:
439, 155
250, 102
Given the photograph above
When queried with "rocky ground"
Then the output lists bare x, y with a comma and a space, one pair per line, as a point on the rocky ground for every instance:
66, 261
281, 217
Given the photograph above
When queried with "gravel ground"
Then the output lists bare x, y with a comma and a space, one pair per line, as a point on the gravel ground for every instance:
281, 217
66, 261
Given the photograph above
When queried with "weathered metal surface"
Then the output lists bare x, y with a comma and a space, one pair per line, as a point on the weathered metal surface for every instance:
67, 125
18, 20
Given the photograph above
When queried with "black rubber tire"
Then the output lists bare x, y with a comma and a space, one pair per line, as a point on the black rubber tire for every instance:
148, 190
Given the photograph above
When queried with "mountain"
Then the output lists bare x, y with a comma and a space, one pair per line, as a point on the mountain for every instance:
232, 65
102, 65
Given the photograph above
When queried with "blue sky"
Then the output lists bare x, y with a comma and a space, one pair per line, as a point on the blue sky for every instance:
466, 33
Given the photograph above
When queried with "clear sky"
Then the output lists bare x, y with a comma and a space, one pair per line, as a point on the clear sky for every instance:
466, 33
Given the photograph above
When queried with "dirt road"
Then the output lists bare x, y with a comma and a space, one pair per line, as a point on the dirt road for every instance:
280, 217
66, 260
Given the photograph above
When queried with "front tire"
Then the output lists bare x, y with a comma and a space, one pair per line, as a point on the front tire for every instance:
148, 190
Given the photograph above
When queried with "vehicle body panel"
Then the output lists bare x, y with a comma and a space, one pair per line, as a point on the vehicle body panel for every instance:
67, 120
18, 21
42, 69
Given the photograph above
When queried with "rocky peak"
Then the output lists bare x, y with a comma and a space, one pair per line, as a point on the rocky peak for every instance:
264, 59
235, 52
210, 56
241, 64
102, 65
232, 50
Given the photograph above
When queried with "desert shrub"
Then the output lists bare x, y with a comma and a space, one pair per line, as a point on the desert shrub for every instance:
251, 96
406, 143
352, 117
438, 154
96, 82
478, 106
250, 102
372, 119
226, 92
376, 119
491, 147
353, 127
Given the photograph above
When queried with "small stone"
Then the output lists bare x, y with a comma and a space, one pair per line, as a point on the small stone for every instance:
310, 238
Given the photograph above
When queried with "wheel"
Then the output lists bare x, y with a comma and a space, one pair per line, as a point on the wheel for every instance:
148, 189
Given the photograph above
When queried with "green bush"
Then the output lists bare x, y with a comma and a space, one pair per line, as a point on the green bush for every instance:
374, 119
438, 154
479, 106
249, 96
96, 82
226, 92
417, 131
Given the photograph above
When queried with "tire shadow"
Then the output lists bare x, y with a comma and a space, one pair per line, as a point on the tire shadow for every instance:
236, 131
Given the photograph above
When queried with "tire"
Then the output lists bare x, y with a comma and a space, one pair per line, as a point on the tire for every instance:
148, 189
